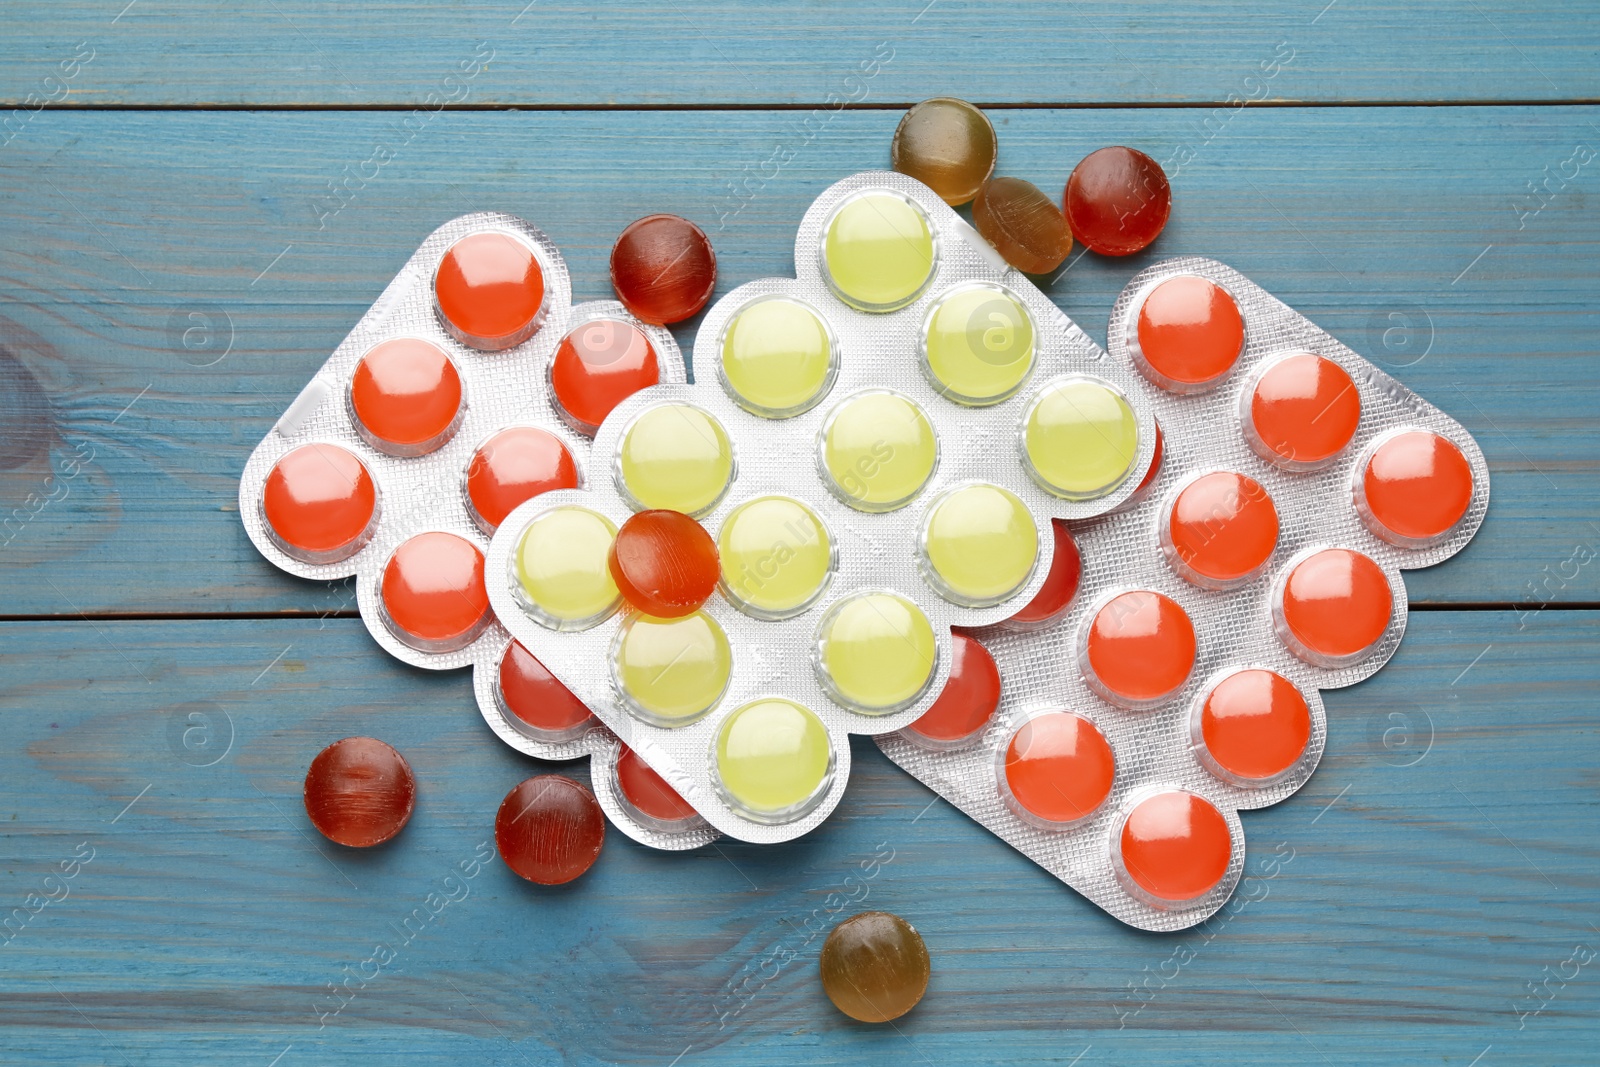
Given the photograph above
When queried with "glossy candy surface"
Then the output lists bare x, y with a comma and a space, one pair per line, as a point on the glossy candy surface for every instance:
1254, 726
1336, 605
320, 503
433, 594
978, 344
966, 703
1175, 847
514, 466
1080, 438
675, 456
1189, 334
947, 145
647, 793
776, 556
406, 397
1117, 201
1303, 411
599, 365
549, 829
878, 251
777, 357
879, 450
979, 544
1139, 648
1060, 585
874, 967
1058, 769
1023, 224
489, 291
672, 671
359, 792
563, 567
1415, 488
1221, 530
664, 563
773, 759
537, 699
878, 652
663, 269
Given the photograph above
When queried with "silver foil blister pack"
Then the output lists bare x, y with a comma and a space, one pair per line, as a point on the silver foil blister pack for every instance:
860, 349
420, 488
1322, 503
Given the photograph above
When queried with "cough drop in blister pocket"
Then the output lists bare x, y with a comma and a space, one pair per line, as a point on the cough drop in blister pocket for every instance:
466, 390
873, 453
1259, 565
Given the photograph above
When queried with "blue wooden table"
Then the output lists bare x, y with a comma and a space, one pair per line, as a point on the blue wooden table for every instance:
192, 221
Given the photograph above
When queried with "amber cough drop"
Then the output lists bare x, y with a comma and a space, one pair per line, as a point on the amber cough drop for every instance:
875, 967
947, 145
1023, 224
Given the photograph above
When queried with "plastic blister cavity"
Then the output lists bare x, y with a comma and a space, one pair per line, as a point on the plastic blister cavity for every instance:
1262, 565
878, 447
432, 418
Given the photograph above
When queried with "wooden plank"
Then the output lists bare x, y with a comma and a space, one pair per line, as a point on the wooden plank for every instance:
814, 52
1444, 856
1408, 232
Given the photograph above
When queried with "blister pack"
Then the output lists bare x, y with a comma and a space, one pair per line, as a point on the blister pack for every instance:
468, 387
1261, 565
877, 448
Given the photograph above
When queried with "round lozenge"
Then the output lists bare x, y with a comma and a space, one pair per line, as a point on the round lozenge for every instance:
489, 291
535, 701
664, 563
1022, 223
672, 671
675, 456
405, 395
1252, 728
878, 251
433, 594
1117, 201
979, 545
597, 366
320, 503
1220, 530
549, 829
359, 792
777, 557
562, 568
947, 145
1060, 585
965, 705
1414, 488
1138, 649
876, 652
1188, 334
874, 967
773, 760
878, 451
1301, 411
647, 796
977, 344
1173, 848
512, 467
1334, 607
1056, 770
663, 269
1080, 438
778, 357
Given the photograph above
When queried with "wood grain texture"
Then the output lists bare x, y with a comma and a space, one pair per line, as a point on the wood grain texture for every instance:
188, 52
1443, 856
1396, 229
